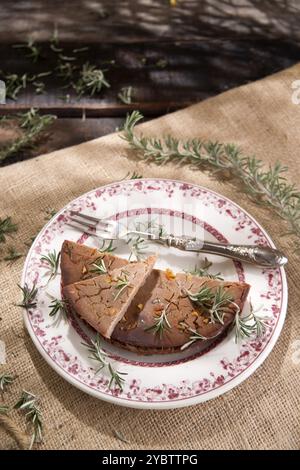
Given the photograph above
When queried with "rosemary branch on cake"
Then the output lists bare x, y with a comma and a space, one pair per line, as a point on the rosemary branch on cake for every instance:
122, 283
98, 267
213, 302
161, 322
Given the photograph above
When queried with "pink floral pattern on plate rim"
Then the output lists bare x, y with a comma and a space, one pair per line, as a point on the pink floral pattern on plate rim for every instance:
75, 371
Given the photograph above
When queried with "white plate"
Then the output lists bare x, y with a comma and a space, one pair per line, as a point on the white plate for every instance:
166, 381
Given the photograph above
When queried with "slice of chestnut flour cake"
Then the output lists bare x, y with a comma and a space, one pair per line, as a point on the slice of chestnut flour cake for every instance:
103, 300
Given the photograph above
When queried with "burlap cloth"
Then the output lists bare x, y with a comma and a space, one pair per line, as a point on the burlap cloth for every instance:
261, 413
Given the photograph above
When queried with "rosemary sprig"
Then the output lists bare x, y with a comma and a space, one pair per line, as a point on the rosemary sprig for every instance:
107, 248
29, 403
195, 336
119, 435
202, 271
99, 267
138, 246
97, 354
32, 125
91, 80
52, 260
266, 187
4, 409
116, 378
161, 323
13, 254
14, 84
29, 296
34, 50
122, 283
133, 176
248, 326
6, 227
5, 381
125, 95
50, 213
213, 302
58, 306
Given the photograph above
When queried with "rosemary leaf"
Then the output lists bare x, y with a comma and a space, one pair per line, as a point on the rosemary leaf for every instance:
5, 381
34, 50
249, 326
161, 323
125, 95
4, 409
6, 227
58, 306
13, 254
213, 302
119, 435
202, 271
116, 378
52, 260
122, 284
29, 296
29, 403
97, 354
266, 187
91, 81
32, 125
99, 267
107, 248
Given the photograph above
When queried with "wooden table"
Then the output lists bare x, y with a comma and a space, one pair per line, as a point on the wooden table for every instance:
171, 56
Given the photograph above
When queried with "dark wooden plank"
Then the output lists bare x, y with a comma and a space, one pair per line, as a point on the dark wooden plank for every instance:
137, 20
64, 133
164, 76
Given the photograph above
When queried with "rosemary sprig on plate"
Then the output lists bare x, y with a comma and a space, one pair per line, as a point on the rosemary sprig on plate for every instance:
52, 260
213, 302
30, 404
116, 378
122, 283
266, 187
138, 246
5, 381
161, 323
99, 267
104, 248
97, 354
29, 296
202, 271
58, 306
125, 95
6, 226
248, 326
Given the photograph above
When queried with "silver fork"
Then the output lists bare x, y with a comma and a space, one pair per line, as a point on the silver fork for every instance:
263, 256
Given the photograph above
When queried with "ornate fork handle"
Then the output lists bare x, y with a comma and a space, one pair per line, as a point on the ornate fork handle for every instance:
263, 256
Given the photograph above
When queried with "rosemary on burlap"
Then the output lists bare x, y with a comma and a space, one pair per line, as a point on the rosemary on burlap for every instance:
266, 187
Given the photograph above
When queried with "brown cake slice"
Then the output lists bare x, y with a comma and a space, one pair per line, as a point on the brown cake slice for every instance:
137, 332
77, 262
102, 301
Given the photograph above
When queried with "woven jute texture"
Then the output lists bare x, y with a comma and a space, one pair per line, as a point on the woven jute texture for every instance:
264, 411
